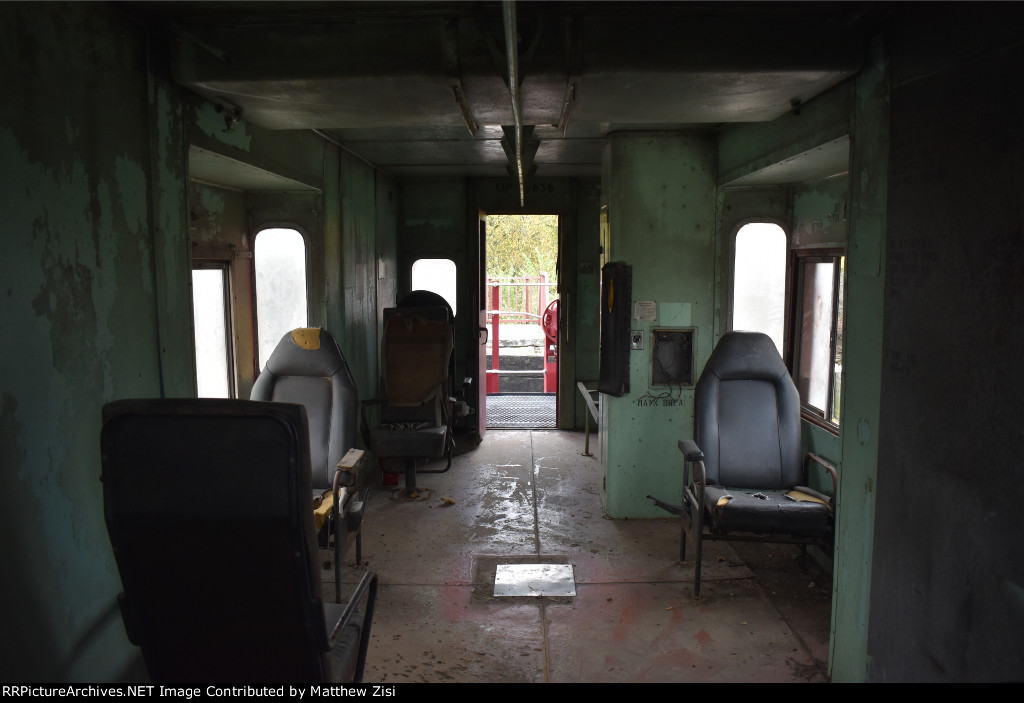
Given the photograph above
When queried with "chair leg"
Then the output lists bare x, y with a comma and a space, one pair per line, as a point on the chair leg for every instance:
699, 533
337, 560
410, 476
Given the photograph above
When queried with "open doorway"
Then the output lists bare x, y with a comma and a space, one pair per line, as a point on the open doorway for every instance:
522, 321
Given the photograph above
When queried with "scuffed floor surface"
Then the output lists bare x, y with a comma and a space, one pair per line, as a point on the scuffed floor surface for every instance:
532, 497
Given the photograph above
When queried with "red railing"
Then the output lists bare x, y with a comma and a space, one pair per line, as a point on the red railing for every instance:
520, 299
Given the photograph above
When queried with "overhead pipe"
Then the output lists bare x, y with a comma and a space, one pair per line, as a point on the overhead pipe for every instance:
512, 58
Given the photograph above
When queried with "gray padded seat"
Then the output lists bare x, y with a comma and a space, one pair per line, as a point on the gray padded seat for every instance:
308, 368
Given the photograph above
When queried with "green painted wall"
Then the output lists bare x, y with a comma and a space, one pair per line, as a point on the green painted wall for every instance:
95, 256
93, 244
855, 510
661, 203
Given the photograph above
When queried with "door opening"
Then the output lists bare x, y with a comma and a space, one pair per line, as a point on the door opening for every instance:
521, 295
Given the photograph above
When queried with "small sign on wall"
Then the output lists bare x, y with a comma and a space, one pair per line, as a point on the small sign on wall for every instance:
646, 310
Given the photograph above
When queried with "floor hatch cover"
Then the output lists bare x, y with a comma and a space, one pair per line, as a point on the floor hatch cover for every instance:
534, 580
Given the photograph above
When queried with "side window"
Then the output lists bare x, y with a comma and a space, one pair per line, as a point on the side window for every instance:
759, 281
437, 276
211, 314
279, 259
819, 332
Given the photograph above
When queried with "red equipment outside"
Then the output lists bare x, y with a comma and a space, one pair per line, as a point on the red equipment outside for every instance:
549, 322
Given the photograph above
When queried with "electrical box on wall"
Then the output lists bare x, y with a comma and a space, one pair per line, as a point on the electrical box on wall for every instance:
672, 357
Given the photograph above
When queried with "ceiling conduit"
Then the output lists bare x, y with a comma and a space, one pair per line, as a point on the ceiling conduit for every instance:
512, 56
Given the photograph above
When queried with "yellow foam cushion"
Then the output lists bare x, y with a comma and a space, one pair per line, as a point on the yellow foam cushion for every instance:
322, 508
307, 338
802, 497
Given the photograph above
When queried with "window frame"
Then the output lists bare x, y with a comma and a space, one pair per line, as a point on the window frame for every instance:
821, 417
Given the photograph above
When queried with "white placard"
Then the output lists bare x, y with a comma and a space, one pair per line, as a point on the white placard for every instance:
646, 310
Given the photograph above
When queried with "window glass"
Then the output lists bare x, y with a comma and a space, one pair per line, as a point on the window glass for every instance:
437, 276
820, 315
815, 374
280, 263
212, 332
759, 282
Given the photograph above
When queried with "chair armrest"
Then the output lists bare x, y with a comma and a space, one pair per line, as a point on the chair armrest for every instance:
692, 454
811, 456
690, 450
352, 461
345, 476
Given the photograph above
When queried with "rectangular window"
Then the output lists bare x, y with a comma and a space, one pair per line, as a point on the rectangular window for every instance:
212, 320
819, 333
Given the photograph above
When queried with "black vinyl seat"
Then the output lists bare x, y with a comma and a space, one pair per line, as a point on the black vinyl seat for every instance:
207, 503
749, 480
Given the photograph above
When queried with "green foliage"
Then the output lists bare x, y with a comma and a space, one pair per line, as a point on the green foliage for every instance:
522, 245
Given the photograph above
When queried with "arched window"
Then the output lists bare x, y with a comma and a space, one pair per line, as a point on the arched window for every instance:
759, 281
437, 276
280, 264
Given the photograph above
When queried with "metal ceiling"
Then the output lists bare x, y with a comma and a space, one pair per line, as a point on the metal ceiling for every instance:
434, 89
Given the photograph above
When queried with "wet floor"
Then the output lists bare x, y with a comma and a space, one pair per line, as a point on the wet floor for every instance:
532, 497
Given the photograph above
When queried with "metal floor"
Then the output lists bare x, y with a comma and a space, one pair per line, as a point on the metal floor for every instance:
532, 497
521, 411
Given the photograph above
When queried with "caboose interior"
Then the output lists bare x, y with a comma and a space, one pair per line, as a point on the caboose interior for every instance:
142, 140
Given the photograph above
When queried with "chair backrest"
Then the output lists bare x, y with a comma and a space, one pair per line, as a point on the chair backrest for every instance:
747, 415
207, 503
416, 350
308, 368
426, 299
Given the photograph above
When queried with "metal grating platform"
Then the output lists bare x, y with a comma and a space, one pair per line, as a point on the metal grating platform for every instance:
514, 411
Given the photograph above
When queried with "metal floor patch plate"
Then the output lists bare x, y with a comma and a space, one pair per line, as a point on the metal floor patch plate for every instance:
534, 580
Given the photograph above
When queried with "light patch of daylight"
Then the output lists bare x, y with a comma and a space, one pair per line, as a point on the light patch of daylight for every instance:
210, 317
437, 276
816, 365
759, 284
280, 262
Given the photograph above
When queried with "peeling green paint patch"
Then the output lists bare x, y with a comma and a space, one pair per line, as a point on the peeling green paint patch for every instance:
213, 123
131, 185
73, 268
